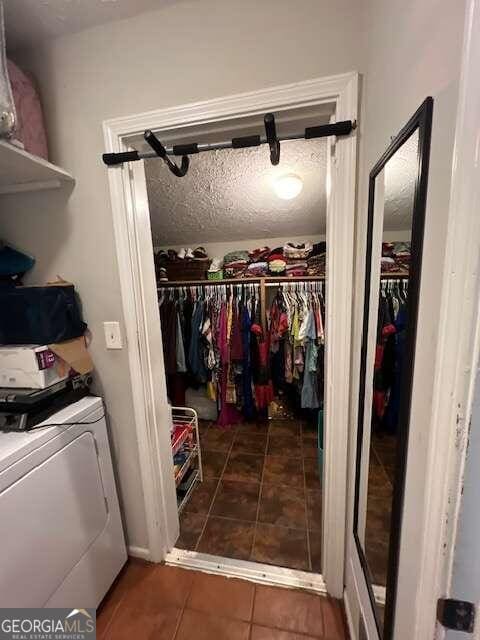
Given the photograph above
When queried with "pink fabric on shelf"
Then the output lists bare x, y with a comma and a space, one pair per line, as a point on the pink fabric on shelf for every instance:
229, 414
30, 128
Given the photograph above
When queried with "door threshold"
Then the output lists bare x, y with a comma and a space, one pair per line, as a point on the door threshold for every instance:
246, 570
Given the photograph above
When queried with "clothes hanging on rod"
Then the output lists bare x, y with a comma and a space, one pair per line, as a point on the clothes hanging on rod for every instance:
216, 331
296, 333
389, 353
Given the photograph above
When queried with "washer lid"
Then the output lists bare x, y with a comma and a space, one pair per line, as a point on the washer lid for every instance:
14, 446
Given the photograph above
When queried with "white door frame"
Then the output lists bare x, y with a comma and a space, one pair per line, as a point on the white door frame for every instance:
141, 316
434, 523
458, 351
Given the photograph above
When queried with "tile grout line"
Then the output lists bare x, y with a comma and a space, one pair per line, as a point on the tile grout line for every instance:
259, 494
307, 523
182, 610
322, 612
268, 524
114, 613
300, 634
215, 493
383, 466
252, 613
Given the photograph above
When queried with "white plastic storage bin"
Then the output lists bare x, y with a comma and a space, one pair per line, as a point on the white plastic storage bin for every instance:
29, 367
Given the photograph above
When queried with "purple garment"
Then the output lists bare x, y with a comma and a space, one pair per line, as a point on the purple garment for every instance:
236, 345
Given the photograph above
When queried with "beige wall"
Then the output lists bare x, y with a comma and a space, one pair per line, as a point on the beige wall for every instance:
412, 49
187, 51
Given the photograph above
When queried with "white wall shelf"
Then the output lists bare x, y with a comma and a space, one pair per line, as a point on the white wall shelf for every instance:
21, 171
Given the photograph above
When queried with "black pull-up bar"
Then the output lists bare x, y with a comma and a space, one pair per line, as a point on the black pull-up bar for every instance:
343, 128
161, 152
274, 144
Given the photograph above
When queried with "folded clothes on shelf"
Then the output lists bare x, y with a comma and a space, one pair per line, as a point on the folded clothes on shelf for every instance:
316, 265
291, 259
234, 272
396, 256
296, 264
296, 273
296, 268
236, 256
236, 264
162, 274
217, 264
257, 269
277, 266
319, 248
260, 254
275, 255
303, 250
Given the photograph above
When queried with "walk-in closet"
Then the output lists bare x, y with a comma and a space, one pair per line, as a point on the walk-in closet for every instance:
240, 258
240, 255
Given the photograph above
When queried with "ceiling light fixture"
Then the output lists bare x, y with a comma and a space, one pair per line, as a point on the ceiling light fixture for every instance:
288, 187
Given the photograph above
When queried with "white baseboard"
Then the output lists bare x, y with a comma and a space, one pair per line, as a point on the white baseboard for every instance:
139, 552
380, 594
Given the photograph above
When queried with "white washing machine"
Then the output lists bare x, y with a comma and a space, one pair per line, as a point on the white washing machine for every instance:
61, 536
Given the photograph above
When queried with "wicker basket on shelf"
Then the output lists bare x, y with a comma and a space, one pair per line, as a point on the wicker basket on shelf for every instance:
195, 269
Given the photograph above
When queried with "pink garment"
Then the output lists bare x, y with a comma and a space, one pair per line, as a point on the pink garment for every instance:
228, 413
30, 127
318, 317
288, 362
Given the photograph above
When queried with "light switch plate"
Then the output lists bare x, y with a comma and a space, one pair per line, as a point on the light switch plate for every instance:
113, 335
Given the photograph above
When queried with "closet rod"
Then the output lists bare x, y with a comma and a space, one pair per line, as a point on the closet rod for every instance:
271, 282
343, 128
292, 281
237, 281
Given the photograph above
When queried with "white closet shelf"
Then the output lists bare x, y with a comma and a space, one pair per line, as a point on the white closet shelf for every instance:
21, 171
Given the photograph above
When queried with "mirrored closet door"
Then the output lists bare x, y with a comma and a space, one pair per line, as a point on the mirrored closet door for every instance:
397, 198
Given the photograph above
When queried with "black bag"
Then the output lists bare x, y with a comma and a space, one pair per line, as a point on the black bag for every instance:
39, 315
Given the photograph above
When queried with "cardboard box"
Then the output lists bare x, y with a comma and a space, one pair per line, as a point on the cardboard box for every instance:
73, 354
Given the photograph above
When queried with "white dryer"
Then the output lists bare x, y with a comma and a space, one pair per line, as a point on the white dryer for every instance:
61, 536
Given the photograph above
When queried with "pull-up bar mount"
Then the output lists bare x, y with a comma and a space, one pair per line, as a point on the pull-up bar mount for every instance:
343, 128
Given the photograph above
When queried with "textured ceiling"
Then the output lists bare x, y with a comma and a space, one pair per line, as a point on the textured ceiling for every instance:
400, 178
29, 22
228, 194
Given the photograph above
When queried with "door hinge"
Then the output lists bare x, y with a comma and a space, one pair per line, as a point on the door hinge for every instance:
456, 614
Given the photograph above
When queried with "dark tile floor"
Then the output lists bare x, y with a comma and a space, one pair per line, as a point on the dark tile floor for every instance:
379, 505
167, 603
261, 498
